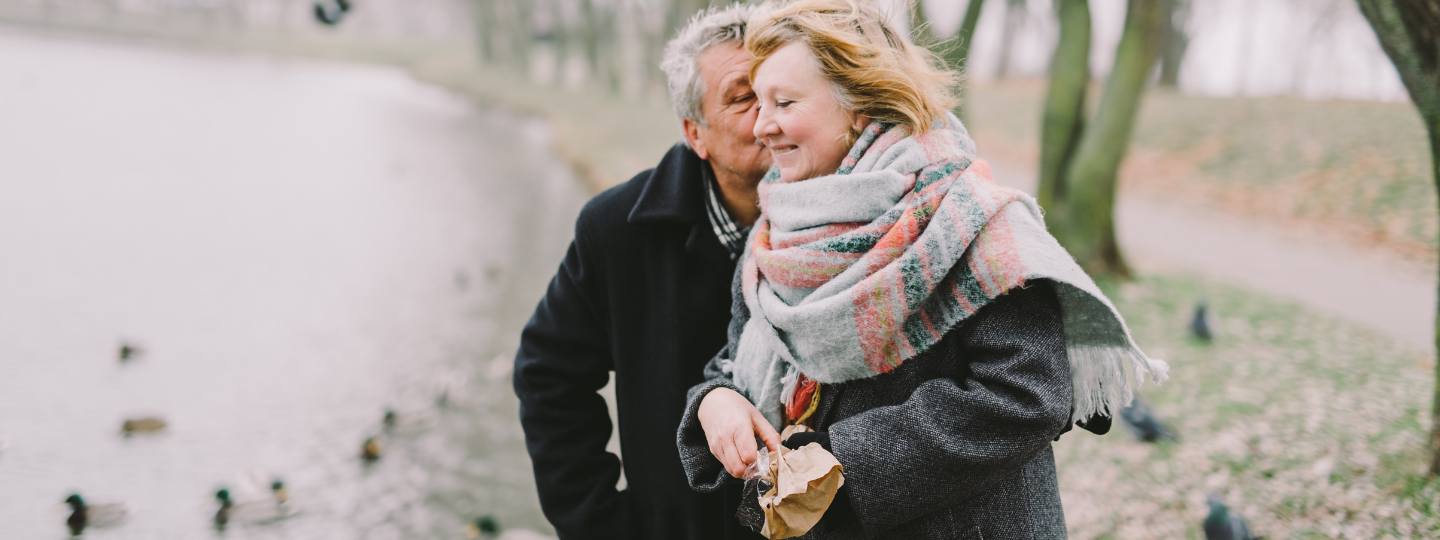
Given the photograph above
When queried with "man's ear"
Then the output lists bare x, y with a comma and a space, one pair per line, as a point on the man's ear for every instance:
692, 137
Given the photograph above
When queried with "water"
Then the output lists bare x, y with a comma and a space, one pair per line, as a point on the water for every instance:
296, 245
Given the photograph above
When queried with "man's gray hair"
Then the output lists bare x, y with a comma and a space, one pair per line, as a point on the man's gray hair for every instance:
680, 63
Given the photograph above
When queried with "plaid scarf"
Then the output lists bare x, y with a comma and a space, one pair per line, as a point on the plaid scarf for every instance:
849, 275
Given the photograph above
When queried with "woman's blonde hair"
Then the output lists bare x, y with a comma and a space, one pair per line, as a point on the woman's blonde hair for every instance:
877, 71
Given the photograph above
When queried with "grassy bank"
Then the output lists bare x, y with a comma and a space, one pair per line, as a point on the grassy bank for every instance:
1309, 426
1358, 169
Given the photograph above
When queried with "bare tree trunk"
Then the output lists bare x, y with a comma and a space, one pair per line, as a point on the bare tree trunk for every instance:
1176, 40
1064, 118
560, 37
1015, 15
513, 23
1242, 59
601, 52
1409, 32
958, 55
1089, 227
485, 30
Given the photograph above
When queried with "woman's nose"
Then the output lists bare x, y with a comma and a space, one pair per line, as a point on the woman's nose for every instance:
764, 126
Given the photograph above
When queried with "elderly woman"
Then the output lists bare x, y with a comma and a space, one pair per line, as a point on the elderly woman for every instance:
894, 299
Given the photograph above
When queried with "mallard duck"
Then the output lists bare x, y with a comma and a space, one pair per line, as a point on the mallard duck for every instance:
275, 508
129, 351
487, 528
408, 423
83, 516
370, 450
146, 424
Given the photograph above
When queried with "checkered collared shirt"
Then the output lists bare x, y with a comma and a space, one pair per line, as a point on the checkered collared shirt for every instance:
730, 234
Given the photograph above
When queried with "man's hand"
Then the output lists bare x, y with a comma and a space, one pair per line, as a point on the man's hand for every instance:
731, 424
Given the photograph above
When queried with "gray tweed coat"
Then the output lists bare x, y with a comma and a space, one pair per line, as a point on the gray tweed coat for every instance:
955, 443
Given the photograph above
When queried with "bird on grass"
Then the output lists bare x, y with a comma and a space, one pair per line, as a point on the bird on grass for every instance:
84, 516
1222, 524
257, 511
144, 424
1200, 324
370, 450
487, 528
1142, 422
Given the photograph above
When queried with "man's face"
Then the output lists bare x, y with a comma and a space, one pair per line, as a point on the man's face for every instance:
728, 106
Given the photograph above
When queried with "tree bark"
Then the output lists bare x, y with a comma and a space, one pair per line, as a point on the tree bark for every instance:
1409, 32
1064, 118
1089, 230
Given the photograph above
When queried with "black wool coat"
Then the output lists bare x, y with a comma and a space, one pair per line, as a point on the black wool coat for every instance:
643, 293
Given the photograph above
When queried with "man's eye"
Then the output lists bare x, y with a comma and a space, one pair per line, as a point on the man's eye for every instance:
743, 98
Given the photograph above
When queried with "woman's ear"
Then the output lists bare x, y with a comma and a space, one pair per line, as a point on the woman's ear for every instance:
858, 124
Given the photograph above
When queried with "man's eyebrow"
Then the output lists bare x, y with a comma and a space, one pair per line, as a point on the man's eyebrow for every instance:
731, 84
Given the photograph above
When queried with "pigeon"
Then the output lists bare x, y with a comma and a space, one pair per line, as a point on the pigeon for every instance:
487, 528
1220, 524
1142, 422
1200, 324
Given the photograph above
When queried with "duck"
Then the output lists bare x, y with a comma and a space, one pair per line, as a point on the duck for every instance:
83, 515
488, 528
408, 423
143, 424
370, 450
276, 508
129, 351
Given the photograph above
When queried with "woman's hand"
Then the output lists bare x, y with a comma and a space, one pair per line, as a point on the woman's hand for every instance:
731, 424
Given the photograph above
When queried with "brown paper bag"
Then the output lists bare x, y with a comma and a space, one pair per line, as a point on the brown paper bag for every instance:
803, 483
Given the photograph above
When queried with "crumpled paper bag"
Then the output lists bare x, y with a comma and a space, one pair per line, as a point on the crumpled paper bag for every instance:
803, 482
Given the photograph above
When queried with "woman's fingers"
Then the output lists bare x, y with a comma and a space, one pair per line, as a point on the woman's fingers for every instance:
766, 432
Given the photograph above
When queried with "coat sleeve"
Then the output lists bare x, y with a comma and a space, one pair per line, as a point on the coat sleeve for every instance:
954, 436
562, 363
702, 469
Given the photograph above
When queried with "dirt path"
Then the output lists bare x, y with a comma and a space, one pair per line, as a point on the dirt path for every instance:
1362, 284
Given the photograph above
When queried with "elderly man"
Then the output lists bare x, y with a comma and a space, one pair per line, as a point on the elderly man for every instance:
644, 291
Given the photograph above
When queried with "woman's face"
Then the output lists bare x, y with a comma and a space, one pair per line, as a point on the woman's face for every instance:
801, 121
